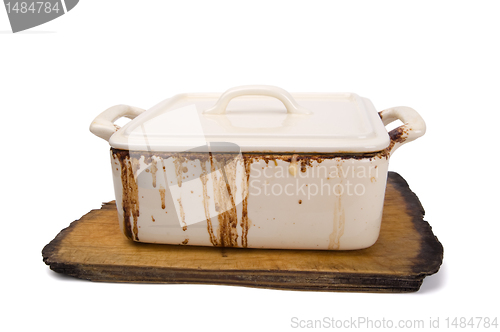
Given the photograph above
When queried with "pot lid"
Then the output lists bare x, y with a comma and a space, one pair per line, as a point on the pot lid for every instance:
258, 119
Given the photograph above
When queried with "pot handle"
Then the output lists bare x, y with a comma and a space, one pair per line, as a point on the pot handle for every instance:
103, 125
257, 90
413, 127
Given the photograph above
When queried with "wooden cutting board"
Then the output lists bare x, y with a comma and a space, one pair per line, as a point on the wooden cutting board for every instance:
93, 248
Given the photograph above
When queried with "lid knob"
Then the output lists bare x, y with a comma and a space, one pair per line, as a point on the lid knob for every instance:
257, 90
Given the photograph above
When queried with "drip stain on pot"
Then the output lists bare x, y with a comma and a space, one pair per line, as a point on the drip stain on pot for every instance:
303, 167
162, 196
153, 172
203, 178
338, 218
222, 176
178, 169
245, 223
183, 214
130, 193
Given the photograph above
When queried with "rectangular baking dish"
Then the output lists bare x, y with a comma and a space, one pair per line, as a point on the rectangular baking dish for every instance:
254, 167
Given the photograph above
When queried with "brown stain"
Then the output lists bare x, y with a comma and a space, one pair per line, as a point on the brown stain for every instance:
224, 201
397, 135
179, 169
245, 224
177, 159
185, 241
224, 189
338, 219
380, 115
130, 193
310, 157
162, 197
338, 225
183, 214
303, 166
300, 201
307, 158
204, 179
153, 171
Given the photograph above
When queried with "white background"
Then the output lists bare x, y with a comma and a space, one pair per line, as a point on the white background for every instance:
439, 57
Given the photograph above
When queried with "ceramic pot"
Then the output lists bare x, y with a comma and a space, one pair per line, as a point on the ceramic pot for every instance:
254, 167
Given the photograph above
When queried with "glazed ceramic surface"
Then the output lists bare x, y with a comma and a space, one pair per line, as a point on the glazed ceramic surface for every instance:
254, 167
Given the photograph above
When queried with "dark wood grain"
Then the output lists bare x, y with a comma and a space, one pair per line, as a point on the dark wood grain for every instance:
93, 248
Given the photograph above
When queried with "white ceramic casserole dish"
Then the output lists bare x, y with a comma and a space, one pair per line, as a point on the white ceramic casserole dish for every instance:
254, 167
